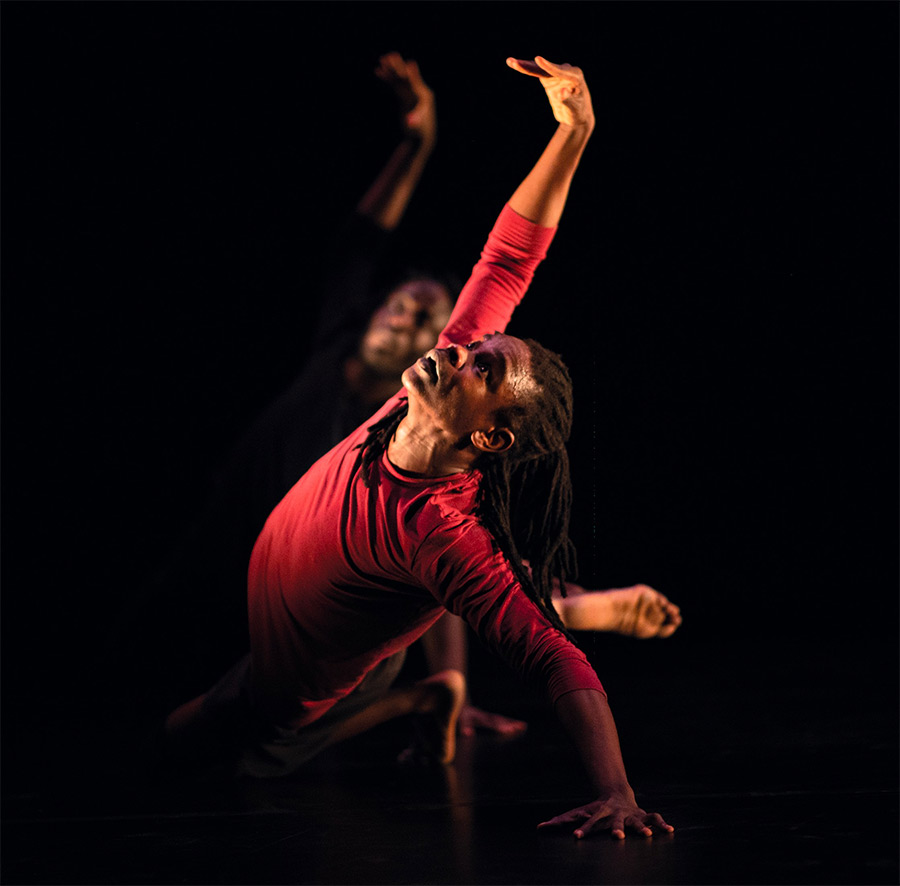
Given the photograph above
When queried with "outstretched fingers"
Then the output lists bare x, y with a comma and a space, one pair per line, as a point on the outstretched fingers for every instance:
391, 66
401, 73
565, 88
523, 66
617, 824
643, 823
566, 72
617, 821
540, 67
414, 96
655, 820
574, 816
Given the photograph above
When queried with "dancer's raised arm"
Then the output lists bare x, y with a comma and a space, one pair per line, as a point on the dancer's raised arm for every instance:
542, 195
520, 238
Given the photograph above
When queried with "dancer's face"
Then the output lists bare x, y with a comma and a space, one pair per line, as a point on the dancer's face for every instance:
462, 388
405, 326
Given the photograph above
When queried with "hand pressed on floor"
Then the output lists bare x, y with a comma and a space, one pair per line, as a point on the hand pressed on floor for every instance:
617, 814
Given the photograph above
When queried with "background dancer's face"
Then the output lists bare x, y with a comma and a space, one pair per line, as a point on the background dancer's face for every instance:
466, 389
405, 326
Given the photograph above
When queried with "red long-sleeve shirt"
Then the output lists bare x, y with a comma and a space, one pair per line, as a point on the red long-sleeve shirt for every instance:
344, 575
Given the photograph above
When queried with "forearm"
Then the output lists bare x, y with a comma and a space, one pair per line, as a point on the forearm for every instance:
542, 195
584, 612
514, 249
586, 717
388, 196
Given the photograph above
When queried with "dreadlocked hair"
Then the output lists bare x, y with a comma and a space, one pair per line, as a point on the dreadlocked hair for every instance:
525, 497
379, 436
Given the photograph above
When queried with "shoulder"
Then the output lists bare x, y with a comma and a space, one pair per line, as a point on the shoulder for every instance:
448, 527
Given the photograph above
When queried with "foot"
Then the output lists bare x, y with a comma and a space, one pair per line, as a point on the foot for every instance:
472, 720
441, 700
638, 611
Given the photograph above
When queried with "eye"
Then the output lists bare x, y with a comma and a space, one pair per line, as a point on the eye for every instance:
482, 366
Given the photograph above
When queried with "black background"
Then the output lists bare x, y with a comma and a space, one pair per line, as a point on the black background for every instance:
723, 285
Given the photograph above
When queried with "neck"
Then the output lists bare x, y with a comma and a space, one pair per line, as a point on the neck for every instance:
428, 451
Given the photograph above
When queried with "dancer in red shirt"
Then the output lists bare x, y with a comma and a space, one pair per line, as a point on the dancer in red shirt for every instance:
433, 505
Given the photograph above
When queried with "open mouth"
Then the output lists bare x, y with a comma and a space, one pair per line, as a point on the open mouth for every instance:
430, 366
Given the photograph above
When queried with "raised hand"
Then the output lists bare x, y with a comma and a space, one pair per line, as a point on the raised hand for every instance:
565, 87
416, 100
616, 814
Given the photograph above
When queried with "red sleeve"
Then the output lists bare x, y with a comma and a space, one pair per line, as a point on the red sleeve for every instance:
514, 249
461, 568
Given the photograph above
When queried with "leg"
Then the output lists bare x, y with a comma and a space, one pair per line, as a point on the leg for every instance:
446, 646
436, 700
276, 751
212, 724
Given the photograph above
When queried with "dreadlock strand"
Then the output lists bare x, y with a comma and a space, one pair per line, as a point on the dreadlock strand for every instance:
378, 438
526, 540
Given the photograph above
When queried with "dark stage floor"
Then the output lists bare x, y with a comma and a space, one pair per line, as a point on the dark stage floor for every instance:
778, 775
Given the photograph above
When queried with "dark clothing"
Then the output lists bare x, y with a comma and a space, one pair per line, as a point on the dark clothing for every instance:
251, 746
194, 609
315, 413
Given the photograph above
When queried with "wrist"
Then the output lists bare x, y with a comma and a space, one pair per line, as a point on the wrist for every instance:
421, 142
618, 793
582, 129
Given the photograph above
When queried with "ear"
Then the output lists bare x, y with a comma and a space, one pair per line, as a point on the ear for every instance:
493, 440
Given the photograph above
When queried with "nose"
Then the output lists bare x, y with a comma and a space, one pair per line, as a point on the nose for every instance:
403, 317
457, 355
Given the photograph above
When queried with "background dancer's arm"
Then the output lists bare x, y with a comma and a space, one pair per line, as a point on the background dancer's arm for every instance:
349, 298
389, 195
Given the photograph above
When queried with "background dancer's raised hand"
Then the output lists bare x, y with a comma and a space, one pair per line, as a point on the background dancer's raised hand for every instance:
418, 114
